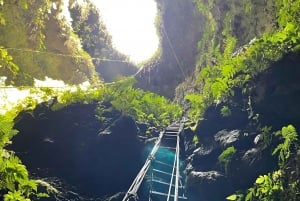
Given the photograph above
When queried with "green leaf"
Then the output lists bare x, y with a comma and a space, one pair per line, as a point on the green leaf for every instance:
15, 196
42, 195
290, 28
260, 180
225, 111
250, 194
232, 197
264, 190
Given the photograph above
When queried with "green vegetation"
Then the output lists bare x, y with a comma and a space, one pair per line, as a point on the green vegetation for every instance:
266, 188
226, 157
266, 136
225, 111
30, 50
222, 67
14, 179
15, 184
289, 135
275, 185
7, 67
142, 106
87, 20
196, 140
197, 106
146, 107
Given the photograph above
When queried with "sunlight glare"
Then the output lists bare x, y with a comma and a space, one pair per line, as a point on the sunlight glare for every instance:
131, 25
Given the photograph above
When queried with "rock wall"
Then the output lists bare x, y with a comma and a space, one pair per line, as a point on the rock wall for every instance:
97, 159
272, 103
180, 29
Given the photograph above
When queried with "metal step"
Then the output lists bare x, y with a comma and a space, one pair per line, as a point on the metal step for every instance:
163, 172
166, 183
166, 195
164, 147
170, 135
171, 131
162, 182
169, 138
166, 164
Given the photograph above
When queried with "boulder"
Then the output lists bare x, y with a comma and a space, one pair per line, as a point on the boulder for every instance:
225, 137
202, 186
204, 158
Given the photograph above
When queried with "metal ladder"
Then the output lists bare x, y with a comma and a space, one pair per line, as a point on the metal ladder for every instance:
163, 168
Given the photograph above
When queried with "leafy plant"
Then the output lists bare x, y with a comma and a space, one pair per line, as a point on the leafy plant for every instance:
6, 130
273, 186
226, 157
7, 67
266, 136
197, 106
195, 139
14, 179
222, 68
15, 183
266, 188
290, 136
225, 111
142, 106
235, 197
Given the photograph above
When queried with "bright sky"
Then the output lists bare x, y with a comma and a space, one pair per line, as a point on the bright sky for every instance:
131, 25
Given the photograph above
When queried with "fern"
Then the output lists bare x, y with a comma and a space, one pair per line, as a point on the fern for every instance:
197, 106
14, 178
228, 71
272, 185
289, 135
6, 129
221, 70
142, 106
230, 44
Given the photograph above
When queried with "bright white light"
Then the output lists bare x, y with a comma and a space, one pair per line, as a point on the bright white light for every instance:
49, 82
131, 25
12, 96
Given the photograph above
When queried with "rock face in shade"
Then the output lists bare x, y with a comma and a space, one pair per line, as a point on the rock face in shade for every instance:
70, 144
275, 101
207, 182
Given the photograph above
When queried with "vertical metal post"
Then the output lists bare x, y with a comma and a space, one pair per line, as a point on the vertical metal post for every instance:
177, 170
132, 192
